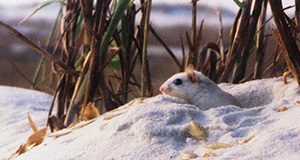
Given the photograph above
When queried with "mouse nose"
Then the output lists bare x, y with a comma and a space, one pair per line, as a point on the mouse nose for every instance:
163, 89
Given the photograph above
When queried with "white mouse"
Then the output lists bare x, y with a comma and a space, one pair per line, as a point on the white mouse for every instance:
197, 89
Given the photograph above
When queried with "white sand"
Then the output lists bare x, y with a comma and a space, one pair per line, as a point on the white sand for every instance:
155, 128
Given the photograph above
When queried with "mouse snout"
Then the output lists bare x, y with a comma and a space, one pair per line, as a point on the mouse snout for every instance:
164, 89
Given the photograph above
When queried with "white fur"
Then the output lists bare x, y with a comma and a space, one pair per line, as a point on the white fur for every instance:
204, 94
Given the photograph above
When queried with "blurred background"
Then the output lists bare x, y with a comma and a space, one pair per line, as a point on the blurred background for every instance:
168, 17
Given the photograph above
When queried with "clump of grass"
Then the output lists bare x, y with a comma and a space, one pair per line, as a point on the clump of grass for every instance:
247, 37
96, 53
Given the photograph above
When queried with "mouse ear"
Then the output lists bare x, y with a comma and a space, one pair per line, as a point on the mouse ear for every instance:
189, 68
191, 74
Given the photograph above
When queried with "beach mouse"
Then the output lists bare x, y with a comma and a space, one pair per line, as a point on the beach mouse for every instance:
197, 89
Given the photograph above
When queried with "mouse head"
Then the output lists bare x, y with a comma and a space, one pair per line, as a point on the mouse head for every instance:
183, 85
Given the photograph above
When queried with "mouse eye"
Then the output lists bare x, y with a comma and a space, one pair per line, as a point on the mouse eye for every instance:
177, 82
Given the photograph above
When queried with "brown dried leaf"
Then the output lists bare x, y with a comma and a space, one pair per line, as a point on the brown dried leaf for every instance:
89, 112
282, 109
246, 140
37, 138
218, 146
21, 150
31, 123
285, 76
196, 131
187, 156
208, 154
34, 140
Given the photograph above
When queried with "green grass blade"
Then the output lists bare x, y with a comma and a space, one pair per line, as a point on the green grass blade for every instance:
51, 36
123, 4
46, 3
115, 63
79, 25
240, 4
124, 31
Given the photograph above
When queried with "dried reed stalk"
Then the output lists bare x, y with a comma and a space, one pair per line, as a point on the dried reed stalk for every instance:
285, 38
146, 88
260, 43
237, 43
39, 50
245, 48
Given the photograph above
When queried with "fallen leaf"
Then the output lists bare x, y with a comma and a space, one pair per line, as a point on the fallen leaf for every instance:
34, 140
31, 123
208, 154
89, 112
218, 146
282, 109
37, 138
196, 131
21, 150
285, 76
246, 140
187, 156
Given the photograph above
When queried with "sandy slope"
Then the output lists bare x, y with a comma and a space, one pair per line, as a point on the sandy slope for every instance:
15, 103
156, 128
